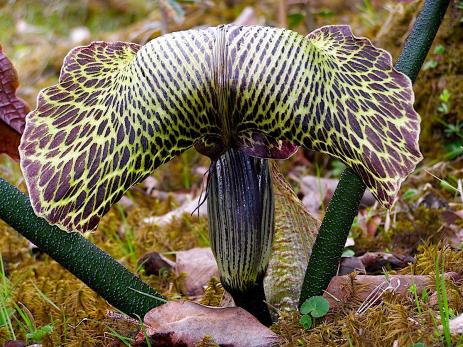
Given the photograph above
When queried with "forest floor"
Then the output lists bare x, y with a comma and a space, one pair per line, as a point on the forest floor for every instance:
425, 225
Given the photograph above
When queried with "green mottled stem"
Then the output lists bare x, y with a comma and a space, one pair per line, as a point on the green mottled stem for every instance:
82, 258
421, 37
332, 236
343, 207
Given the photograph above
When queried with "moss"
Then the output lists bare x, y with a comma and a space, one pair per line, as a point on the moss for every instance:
80, 320
213, 293
207, 341
78, 310
451, 259
182, 233
396, 319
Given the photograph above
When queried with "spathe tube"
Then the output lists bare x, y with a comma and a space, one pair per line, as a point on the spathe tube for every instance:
241, 207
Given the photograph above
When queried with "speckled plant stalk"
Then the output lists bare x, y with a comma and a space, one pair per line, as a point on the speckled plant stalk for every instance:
82, 258
344, 205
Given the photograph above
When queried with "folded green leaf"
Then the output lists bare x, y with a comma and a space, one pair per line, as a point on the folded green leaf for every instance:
295, 233
119, 111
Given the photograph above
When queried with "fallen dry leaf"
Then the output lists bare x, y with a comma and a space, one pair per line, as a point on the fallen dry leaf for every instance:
317, 190
368, 224
153, 262
351, 264
345, 289
188, 207
199, 265
13, 110
455, 325
184, 323
373, 262
15, 343
9, 141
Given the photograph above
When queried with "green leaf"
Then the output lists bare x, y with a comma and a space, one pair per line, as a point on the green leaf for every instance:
294, 19
443, 108
305, 321
447, 186
440, 49
445, 95
453, 149
324, 13
8, 311
317, 306
347, 253
40, 333
409, 194
424, 296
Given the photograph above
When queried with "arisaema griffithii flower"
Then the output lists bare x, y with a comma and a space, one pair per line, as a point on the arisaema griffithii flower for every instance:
120, 110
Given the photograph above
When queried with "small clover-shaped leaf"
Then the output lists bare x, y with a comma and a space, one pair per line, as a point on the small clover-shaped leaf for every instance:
317, 306
305, 321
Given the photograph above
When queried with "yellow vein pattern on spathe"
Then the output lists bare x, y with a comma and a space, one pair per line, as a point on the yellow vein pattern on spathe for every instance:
121, 110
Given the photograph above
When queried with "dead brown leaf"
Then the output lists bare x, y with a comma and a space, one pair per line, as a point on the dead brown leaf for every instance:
185, 323
13, 110
349, 288
375, 261
9, 141
199, 265
153, 263
319, 190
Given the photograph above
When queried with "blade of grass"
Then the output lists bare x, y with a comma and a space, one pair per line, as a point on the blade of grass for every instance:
127, 341
442, 301
45, 298
5, 294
